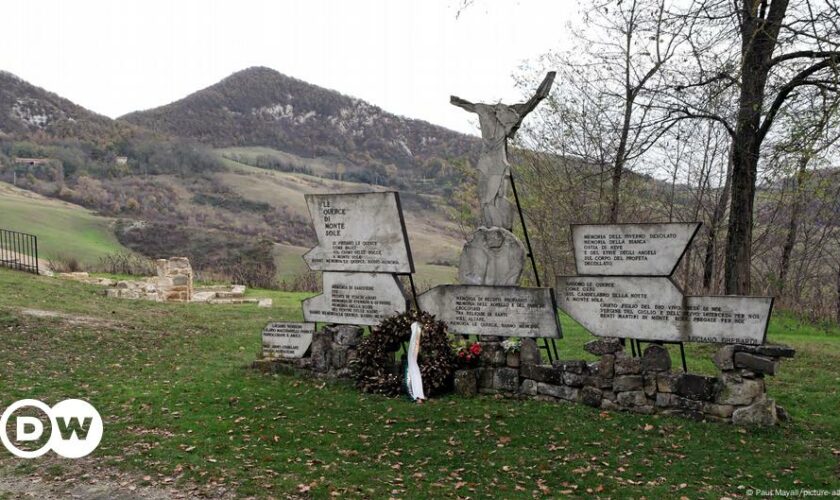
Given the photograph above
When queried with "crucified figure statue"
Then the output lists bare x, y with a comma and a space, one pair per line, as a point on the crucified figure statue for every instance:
499, 122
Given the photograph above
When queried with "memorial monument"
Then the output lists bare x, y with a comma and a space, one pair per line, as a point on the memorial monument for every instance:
488, 301
362, 247
624, 289
494, 255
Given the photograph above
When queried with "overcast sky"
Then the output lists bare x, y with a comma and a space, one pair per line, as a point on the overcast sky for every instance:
407, 57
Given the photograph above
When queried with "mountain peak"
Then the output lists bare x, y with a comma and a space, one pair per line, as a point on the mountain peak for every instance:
259, 106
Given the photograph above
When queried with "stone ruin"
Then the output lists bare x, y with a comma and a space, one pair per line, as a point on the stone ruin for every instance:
616, 382
173, 283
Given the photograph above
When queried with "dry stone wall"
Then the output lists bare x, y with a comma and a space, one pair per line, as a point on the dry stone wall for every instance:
645, 384
616, 382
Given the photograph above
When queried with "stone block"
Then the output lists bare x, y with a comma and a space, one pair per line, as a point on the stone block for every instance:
656, 359
542, 373
609, 405
598, 382
577, 366
466, 383
338, 356
528, 387
489, 350
735, 390
626, 383
321, 350
666, 382
686, 404
321, 361
506, 379
529, 352
625, 365
664, 400
756, 363
500, 357
630, 399
265, 303
771, 350
644, 409
591, 396
485, 377
723, 358
512, 360
698, 387
717, 410
573, 379
558, 391
650, 384
762, 413
602, 346
606, 366
347, 335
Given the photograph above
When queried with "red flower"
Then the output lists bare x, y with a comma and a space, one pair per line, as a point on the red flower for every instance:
469, 357
475, 349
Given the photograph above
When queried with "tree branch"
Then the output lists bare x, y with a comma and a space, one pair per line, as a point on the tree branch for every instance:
812, 54
800, 79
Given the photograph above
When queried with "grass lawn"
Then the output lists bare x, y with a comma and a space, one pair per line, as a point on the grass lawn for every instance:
63, 229
180, 407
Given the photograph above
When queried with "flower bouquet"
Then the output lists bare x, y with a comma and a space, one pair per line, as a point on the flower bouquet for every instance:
467, 353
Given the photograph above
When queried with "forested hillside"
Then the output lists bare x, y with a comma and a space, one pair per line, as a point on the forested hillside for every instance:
261, 107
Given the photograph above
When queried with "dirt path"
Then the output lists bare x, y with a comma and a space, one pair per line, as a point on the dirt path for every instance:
84, 487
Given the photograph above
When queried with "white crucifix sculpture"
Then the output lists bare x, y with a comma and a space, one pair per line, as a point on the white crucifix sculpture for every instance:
493, 255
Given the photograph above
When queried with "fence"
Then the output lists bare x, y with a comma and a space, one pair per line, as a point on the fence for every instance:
19, 251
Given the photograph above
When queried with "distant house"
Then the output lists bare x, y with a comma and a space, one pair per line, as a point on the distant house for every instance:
122, 160
55, 168
32, 161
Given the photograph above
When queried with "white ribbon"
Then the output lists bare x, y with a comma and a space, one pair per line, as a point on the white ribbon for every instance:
414, 380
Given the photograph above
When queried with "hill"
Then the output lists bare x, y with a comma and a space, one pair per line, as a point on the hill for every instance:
225, 209
30, 111
261, 107
63, 229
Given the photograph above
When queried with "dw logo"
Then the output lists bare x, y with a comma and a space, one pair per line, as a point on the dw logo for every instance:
75, 428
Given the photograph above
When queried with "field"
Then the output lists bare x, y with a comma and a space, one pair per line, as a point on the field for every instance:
63, 229
182, 411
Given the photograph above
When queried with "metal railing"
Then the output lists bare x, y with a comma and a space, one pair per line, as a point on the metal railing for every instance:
19, 251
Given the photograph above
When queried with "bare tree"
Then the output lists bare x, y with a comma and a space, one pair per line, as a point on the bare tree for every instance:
604, 111
782, 47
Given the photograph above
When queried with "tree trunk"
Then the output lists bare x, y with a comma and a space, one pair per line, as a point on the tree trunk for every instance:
621, 153
714, 225
758, 39
793, 223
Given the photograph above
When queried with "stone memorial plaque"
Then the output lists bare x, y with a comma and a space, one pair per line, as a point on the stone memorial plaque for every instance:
631, 249
648, 308
286, 340
504, 311
363, 232
356, 299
